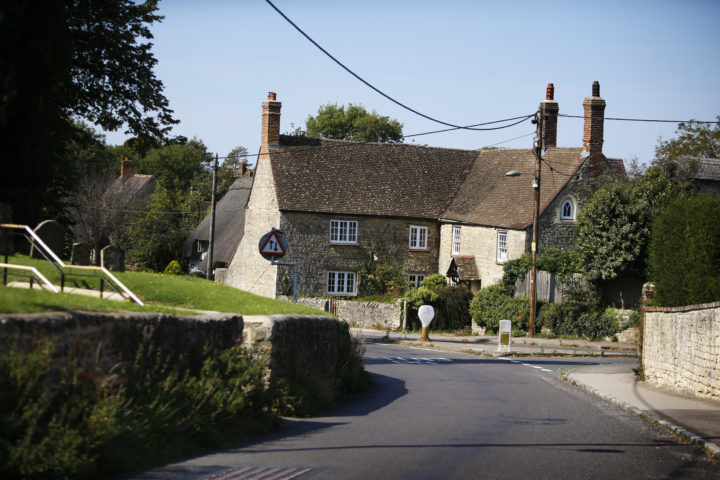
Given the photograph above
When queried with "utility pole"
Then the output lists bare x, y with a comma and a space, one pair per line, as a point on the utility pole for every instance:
537, 150
211, 247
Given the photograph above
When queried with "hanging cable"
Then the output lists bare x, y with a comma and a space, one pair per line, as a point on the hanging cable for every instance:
396, 102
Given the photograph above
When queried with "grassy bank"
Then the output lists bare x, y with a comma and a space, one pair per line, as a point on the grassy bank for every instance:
162, 293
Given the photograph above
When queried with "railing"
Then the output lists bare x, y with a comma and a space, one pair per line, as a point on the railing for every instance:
103, 274
35, 275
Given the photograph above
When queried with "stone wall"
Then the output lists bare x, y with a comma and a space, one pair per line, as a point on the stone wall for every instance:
360, 314
299, 345
110, 338
681, 348
313, 343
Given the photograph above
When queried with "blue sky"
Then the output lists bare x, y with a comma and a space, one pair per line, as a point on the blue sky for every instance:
460, 61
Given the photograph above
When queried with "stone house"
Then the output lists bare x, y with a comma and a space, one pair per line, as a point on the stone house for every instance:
431, 210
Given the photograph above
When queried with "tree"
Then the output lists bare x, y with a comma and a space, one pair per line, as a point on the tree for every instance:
66, 60
685, 253
613, 229
353, 123
233, 159
693, 139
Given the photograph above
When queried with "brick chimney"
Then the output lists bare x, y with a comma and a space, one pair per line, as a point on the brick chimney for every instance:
270, 124
549, 109
594, 108
126, 169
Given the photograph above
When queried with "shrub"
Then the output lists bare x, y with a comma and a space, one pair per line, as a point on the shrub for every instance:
435, 281
63, 416
173, 268
451, 305
492, 304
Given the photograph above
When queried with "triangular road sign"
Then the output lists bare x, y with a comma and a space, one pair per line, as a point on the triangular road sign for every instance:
273, 245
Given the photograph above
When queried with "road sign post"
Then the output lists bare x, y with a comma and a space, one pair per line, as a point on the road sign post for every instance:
274, 245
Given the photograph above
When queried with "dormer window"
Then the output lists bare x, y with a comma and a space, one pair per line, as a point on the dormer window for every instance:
567, 211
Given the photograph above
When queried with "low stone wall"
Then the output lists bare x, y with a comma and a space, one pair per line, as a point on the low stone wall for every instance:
294, 343
106, 339
681, 348
299, 345
360, 314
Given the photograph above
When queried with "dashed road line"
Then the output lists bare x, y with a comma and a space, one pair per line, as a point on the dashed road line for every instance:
410, 360
538, 367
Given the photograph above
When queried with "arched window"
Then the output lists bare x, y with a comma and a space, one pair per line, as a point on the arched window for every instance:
567, 211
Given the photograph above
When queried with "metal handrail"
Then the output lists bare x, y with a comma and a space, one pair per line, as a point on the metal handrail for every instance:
60, 265
38, 276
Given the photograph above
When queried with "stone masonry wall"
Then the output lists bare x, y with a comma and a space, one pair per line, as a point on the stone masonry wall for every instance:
309, 245
360, 314
681, 348
299, 345
312, 343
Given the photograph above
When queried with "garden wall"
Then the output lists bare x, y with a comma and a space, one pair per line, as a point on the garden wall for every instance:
681, 348
359, 314
105, 339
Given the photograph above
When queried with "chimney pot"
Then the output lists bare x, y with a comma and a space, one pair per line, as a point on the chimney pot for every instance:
550, 92
596, 89
272, 96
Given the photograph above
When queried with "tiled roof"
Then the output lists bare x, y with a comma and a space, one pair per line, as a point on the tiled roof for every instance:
229, 223
700, 168
466, 267
488, 197
386, 179
380, 179
136, 184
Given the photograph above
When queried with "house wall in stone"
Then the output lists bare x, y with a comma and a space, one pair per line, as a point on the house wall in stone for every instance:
556, 231
248, 270
681, 348
308, 236
480, 242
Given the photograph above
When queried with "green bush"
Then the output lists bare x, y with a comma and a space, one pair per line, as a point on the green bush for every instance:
684, 252
451, 305
63, 416
435, 281
173, 268
494, 303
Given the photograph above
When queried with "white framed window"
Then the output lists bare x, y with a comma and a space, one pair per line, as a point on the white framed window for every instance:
416, 279
567, 211
456, 240
343, 231
341, 283
418, 238
502, 246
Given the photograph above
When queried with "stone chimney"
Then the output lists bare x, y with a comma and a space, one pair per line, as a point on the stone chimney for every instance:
594, 108
549, 109
270, 124
241, 169
126, 170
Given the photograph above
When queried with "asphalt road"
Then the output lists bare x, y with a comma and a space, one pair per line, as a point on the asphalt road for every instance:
437, 415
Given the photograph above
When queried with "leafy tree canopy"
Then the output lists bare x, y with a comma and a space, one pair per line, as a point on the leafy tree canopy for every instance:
236, 155
693, 139
353, 123
613, 229
63, 61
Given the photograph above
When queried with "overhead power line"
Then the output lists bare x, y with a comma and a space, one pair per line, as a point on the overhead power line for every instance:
649, 120
396, 102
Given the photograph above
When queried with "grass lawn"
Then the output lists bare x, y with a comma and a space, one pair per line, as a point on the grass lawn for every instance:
163, 293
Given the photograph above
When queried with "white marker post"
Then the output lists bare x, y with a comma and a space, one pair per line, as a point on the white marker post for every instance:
504, 336
426, 314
